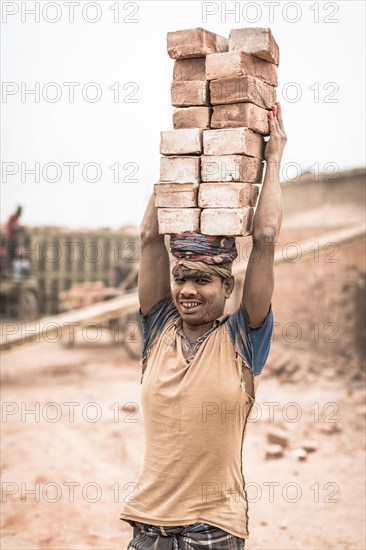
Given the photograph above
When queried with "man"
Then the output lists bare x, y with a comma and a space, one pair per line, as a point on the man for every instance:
200, 374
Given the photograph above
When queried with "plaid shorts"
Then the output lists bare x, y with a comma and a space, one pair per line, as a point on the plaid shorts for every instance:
199, 536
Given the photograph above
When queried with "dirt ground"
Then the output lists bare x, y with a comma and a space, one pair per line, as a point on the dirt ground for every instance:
68, 465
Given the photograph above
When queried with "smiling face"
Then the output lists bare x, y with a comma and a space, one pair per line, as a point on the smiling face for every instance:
200, 297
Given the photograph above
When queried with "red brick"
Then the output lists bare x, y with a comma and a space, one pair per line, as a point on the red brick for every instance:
257, 41
278, 436
233, 141
238, 115
180, 169
189, 69
181, 142
176, 195
227, 221
231, 168
273, 451
227, 195
192, 117
236, 63
178, 220
194, 43
190, 93
242, 89
309, 445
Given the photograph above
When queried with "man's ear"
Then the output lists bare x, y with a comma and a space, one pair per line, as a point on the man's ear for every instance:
229, 284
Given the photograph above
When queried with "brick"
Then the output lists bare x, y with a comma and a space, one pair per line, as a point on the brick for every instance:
278, 436
192, 117
237, 63
238, 115
273, 451
180, 169
176, 195
227, 195
330, 429
181, 142
178, 220
194, 43
227, 221
240, 89
190, 93
309, 445
190, 69
233, 141
257, 41
231, 168
300, 454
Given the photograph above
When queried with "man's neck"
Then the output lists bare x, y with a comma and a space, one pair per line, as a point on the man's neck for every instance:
193, 332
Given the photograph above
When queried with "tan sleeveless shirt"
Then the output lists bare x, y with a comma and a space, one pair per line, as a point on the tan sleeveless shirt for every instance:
195, 418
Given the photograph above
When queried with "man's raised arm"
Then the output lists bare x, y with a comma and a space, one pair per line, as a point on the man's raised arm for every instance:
259, 278
154, 274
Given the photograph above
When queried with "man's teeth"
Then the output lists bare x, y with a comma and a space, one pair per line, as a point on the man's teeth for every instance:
190, 305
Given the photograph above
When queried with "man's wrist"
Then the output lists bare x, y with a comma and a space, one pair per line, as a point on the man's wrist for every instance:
275, 162
272, 172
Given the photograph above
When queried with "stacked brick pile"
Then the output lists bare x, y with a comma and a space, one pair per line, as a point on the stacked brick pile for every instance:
81, 295
211, 162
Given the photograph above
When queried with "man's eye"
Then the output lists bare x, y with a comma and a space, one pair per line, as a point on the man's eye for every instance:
203, 280
179, 281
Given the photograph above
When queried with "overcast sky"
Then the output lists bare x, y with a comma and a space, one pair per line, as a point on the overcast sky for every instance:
99, 137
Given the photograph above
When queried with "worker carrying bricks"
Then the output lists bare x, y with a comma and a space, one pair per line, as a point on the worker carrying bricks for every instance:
197, 366
200, 373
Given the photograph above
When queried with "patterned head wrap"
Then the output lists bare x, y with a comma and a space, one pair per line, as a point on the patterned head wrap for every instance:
211, 254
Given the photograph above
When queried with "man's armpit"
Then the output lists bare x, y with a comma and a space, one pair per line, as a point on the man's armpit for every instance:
257, 378
255, 327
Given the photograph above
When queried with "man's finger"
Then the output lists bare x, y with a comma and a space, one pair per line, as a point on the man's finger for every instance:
279, 116
273, 123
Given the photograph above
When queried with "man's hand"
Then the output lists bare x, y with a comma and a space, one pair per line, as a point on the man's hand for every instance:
277, 141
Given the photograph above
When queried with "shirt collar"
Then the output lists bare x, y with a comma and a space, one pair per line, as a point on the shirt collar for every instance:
179, 325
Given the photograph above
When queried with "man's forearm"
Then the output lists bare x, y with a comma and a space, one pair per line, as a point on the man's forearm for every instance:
154, 274
149, 227
268, 217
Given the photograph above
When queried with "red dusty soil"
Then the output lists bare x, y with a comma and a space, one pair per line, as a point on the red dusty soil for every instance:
83, 466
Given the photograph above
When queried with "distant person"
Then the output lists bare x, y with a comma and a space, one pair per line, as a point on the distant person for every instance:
199, 366
11, 234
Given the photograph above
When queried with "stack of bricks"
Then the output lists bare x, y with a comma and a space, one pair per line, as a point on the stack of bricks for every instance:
81, 295
211, 162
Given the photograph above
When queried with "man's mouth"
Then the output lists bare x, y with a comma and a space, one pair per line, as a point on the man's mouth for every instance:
190, 305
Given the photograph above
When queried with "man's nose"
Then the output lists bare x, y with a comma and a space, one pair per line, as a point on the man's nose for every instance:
188, 289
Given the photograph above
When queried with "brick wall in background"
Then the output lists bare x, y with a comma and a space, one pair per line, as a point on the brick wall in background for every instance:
62, 258
319, 302
342, 187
